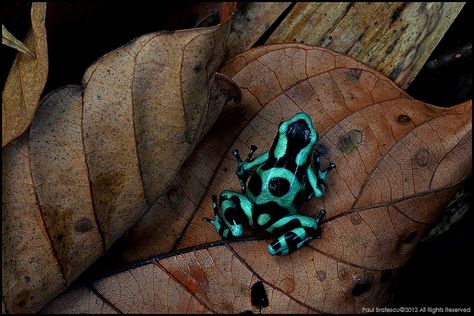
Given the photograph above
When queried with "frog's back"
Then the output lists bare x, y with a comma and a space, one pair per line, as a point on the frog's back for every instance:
276, 187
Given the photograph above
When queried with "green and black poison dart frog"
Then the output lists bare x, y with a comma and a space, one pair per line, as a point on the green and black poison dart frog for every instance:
281, 179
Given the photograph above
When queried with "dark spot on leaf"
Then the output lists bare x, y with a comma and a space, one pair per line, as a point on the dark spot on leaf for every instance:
259, 295
321, 275
197, 68
396, 13
83, 225
361, 288
422, 157
385, 276
350, 141
20, 300
403, 119
391, 48
409, 238
353, 74
355, 219
27, 279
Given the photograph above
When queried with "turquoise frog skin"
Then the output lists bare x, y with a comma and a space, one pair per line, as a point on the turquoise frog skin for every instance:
281, 179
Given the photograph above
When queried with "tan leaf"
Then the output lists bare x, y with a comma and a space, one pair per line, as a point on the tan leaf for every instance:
399, 162
96, 157
26, 79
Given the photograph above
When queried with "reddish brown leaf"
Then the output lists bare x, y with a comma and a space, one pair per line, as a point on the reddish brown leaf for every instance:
98, 156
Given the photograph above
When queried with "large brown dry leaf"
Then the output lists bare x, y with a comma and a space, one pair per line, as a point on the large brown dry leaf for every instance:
399, 162
26, 79
98, 156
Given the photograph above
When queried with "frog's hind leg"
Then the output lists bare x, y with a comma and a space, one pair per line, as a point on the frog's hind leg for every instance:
297, 230
217, 222
236, 210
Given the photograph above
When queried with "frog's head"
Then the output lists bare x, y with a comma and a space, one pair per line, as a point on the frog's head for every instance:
296, 137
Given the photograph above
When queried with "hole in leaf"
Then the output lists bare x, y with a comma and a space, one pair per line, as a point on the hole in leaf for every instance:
259, 295
402, 118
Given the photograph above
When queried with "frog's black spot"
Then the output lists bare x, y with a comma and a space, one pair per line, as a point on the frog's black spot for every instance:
255, 184
299, 133
292, 240
275, 245
232, 214
385, 276
279, 186
361, 288
258, 295
288, 226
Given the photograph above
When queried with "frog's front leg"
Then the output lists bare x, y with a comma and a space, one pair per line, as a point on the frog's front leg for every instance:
317, 179
236, 210
295, 231
244, 167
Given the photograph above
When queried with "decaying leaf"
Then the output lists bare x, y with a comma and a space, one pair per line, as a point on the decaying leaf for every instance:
395, 38
96, 157
399, 162
26, 79
251, 21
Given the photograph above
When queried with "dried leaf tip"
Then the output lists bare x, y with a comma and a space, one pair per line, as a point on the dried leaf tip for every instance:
8, 39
